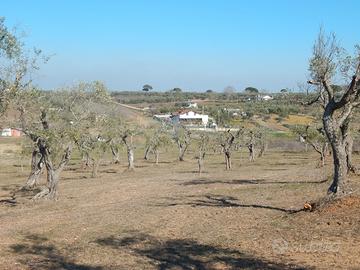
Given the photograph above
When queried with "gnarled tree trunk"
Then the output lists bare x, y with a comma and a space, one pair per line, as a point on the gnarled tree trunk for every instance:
37, 167
182, 151
53, 173
95, 167
85, 159
115, 154
340, 183
130, 154
251, 147
127, 140
251, 152
156, 153
349, 143
147, 152
201, 165
227, 155
263, 149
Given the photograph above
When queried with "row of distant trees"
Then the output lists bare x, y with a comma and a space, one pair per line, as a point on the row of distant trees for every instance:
250, 89
227, 90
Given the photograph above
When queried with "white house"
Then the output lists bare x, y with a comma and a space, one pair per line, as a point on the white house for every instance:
190, 118
267, 97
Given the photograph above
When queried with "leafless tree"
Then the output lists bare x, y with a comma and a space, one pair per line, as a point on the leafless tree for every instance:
327, 64
226, 141
262, 139
251, 146
316, 138
203, 145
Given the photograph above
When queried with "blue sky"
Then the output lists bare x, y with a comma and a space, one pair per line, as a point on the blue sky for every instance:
195, 45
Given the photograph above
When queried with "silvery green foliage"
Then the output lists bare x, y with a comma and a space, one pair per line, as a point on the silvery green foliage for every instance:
17, 64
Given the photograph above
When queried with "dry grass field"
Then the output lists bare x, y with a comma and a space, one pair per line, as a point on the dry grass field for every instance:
167, 216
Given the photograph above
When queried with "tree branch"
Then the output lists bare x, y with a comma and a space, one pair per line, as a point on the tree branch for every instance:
311, 101
65, 158
351, 92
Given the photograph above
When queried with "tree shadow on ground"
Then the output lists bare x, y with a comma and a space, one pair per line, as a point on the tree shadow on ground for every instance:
8, 202
188, 254
10, 187
211, 200
247, 182
14, 192
37, 253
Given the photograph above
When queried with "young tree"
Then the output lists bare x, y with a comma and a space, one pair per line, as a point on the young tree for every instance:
327, 64
226, 141
316, 138
182, 138
93, 146
121, 133
155, 141
127, 137
203, 143
115, 147
256, 139
251, 146
262, 138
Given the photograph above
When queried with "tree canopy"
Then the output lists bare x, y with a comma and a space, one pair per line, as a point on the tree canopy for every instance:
147, 88
251, 90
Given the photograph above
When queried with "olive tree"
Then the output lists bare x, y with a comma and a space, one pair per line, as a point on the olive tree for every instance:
119, 133
314, 136
53, 121
93, 146
127, 137
156, 140
251, 146
262, 138
203, 145
115, 147
226, 140
328, 63
256, 140
10, 55
182, 138
16, 65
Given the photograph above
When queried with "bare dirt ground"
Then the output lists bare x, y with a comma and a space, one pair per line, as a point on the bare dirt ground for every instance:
169, 217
